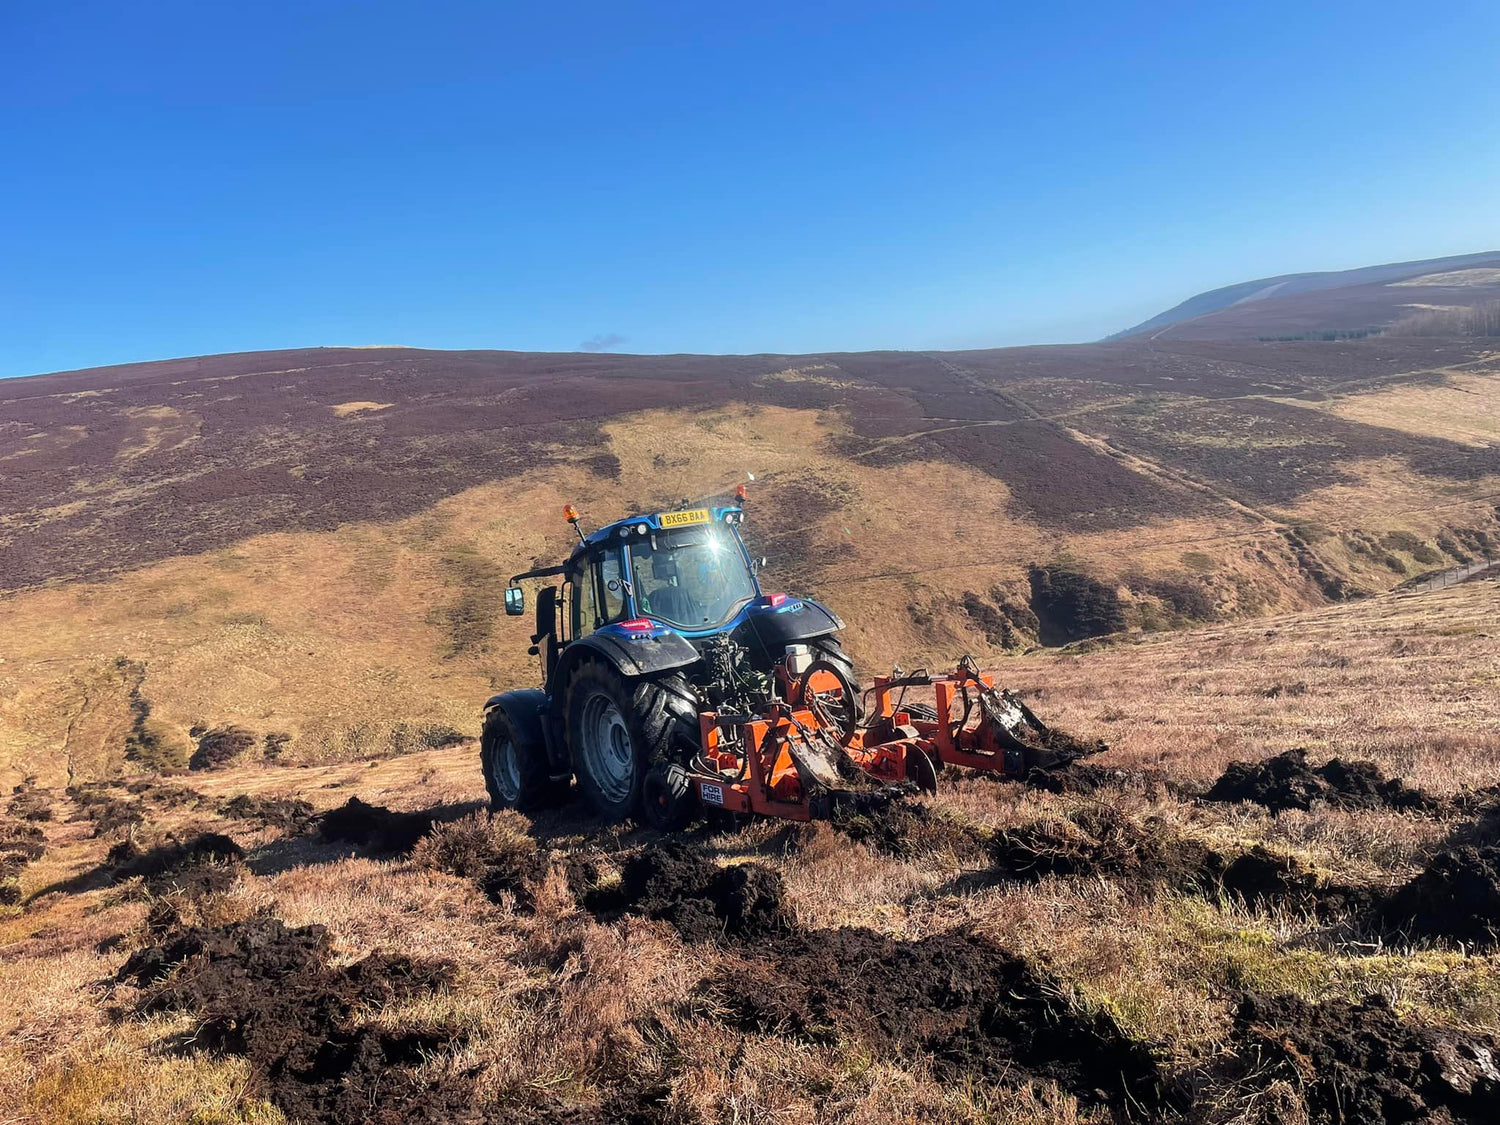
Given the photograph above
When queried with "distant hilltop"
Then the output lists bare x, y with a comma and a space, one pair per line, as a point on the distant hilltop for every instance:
1419, 297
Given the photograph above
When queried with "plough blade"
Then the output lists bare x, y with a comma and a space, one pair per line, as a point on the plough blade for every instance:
974, 724
799, 760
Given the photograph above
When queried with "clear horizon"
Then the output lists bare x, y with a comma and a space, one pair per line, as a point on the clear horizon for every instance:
188, 180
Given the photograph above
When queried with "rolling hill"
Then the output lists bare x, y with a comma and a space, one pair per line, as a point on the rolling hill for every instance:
312, 544
1336, 304
250, 605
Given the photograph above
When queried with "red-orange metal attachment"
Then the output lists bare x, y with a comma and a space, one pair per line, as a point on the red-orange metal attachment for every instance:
776, 763
746, 765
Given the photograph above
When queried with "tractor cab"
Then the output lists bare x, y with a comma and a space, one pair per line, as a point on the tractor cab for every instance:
685, 572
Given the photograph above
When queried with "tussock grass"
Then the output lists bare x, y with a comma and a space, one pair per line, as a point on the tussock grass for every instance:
555, 1006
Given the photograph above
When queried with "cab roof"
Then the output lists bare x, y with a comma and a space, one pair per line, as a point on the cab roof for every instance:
716, 514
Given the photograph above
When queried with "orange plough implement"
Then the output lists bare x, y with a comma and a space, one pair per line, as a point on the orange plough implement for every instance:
799, 759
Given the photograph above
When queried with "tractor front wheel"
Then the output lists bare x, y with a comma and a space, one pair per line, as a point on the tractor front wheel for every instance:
515, 772
619, 730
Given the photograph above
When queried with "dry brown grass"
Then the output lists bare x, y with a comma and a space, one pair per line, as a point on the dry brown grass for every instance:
1411, 682
345, 640
558, 1007
344, 409
1463, 408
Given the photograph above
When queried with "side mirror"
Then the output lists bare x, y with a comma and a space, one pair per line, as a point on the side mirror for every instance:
515, 601
758, 565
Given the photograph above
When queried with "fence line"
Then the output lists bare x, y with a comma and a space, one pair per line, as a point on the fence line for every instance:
1451, 577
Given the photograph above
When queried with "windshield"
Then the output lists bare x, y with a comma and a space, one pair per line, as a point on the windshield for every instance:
695, 577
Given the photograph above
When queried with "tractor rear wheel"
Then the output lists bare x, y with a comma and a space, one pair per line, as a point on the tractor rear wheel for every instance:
619, 729
515, 773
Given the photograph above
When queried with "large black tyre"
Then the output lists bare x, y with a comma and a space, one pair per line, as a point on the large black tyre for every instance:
619, 728
516, 772
667, 799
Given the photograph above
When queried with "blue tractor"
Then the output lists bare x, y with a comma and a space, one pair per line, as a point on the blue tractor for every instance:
656, 618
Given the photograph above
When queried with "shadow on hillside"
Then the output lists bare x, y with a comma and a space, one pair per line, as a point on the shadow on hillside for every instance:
356, 829
282, 855
94, 879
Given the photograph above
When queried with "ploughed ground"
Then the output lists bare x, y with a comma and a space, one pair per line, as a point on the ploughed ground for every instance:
1303, 933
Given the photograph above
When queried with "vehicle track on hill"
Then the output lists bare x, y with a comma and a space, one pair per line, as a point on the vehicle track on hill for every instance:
1163, 474
1031, 414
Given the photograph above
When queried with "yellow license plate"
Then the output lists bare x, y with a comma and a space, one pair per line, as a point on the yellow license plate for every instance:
682, 519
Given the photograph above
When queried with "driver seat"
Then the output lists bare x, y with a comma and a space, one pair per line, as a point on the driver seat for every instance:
673, 604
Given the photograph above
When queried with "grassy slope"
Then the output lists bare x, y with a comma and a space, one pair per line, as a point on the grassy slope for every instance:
1412, 681
351, 638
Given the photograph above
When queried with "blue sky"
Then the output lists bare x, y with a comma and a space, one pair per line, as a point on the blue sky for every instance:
180, 178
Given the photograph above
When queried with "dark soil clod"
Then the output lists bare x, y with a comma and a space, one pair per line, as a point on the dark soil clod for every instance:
1362, 1063
290, 815
30, 803
220, 747
1260, 877
109, 813
1288, 782
266, 992
20, 844
1098, 840
973, 1009
198, 865
1146, 858
165, 794
702, 901
1083, 778
1457, 896
1059, 750
904, 829
377, 828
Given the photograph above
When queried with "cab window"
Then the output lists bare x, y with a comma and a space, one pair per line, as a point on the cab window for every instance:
594, 603
611, 601
585, 611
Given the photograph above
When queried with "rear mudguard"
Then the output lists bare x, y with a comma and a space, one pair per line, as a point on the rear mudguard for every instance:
768, 629
631, 656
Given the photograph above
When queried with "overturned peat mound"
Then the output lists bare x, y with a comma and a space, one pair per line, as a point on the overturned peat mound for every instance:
382, 831
1147, 858
702, 901
1098, 840
1087, 779
905, 829
1362, 1063
200, 864
266, 992
974, 1010
20, 845
495, 850
93, 801
291, 816
1288, 782
27, 802
1456, 896
1262, 878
